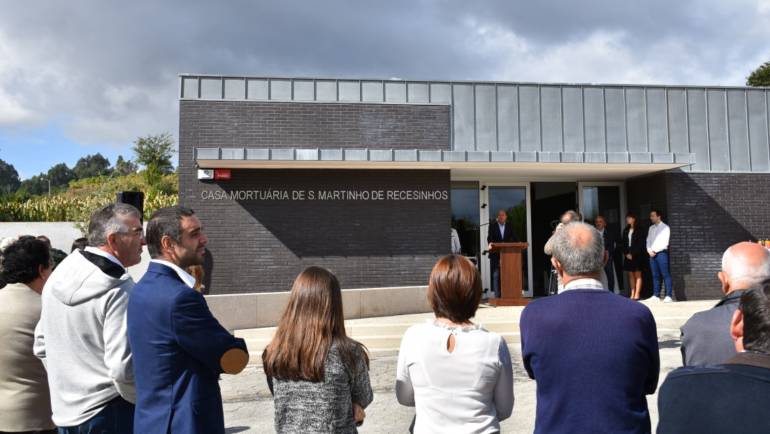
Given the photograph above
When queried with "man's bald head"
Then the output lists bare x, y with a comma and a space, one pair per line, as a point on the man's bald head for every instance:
744, 265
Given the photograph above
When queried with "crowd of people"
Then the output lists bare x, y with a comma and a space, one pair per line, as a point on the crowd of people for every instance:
88, 350
639, 249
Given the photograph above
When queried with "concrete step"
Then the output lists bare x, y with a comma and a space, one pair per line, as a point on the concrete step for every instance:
382, 336
384, 342
376, 329
360, 331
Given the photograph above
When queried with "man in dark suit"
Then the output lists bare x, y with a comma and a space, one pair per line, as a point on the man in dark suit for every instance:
706, 336
500, 231
732, 397
609, 238
593, 354
179, 348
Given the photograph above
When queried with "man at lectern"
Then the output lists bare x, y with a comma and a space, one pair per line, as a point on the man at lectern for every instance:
499, 232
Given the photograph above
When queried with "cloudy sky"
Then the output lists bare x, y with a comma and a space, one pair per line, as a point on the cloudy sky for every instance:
80, 77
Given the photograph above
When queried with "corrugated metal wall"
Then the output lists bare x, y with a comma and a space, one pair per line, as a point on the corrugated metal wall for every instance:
726, 128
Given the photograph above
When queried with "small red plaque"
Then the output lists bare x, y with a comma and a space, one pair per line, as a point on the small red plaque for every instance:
222, 174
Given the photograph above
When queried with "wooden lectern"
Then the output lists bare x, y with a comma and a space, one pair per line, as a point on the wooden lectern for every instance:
510, 274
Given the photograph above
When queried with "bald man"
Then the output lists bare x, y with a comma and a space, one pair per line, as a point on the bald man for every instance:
706, 336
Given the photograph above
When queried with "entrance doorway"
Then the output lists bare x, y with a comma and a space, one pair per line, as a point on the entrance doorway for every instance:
549, 201
608, 200
513, 200
533, 208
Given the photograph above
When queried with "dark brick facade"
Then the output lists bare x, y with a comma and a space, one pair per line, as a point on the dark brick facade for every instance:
707, 213
260, 246
313, 125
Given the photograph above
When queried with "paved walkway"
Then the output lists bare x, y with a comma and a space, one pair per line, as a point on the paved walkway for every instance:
249, 407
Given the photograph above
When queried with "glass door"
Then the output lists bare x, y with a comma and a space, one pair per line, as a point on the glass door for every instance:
465, 218
606, 199
513, 200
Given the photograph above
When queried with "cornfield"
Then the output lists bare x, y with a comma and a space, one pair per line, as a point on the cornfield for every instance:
60, 208
84, 197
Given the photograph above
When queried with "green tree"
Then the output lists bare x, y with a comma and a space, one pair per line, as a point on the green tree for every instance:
154, 154
90, 166
124, 167
60, 175
9, 178
35, 185
760, 76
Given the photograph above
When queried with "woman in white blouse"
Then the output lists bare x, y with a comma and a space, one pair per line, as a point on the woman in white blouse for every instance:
457, 375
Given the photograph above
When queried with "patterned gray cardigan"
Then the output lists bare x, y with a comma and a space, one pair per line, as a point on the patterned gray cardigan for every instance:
325, 406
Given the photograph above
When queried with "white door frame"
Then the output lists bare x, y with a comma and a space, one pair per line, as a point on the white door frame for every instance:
484, 185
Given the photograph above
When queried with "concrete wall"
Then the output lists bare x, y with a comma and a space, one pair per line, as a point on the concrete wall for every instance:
61, 234
707, 213
243, 311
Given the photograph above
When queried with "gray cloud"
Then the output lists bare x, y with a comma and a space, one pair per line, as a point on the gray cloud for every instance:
108, 71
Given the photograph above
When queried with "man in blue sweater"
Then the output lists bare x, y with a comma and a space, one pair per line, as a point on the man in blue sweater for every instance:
593, 354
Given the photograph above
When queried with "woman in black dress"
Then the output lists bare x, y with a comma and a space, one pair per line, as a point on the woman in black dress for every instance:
633, 254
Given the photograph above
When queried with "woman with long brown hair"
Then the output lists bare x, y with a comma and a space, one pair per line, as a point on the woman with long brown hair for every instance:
633, 254
319, 377
457, 375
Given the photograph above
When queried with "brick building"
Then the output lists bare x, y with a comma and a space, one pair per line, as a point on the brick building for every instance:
366, 177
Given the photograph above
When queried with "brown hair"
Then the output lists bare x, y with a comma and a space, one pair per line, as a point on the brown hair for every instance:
312, 321
636, 221
454, 289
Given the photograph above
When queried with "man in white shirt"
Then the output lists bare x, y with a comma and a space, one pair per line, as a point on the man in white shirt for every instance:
657, 247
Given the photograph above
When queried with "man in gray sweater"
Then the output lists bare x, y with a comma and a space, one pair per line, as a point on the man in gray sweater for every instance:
706, 336
81, 337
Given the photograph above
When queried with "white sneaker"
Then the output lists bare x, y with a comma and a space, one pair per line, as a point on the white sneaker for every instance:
667, 300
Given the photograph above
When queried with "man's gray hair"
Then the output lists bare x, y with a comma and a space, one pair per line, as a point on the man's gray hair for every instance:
110, 219
578, 247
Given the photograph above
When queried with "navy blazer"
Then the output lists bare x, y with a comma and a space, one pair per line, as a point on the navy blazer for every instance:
177, 345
